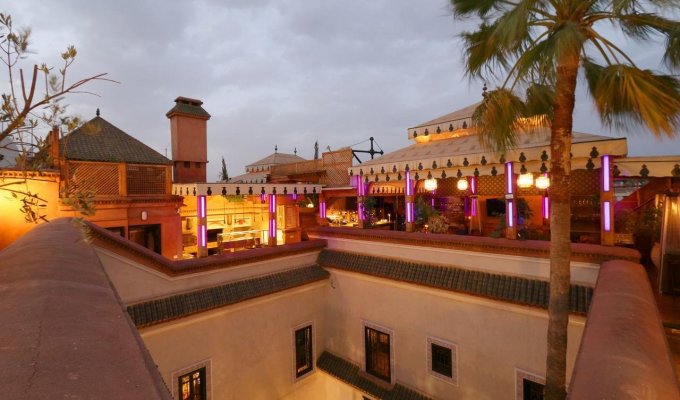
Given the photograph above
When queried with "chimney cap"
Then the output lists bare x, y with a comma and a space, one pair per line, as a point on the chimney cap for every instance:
188, 107
188, 100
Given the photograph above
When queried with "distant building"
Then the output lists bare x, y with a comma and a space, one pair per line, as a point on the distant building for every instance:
260, 171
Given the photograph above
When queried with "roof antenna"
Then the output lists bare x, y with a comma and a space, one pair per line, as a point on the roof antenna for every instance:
276, 148
97, 111
295, 151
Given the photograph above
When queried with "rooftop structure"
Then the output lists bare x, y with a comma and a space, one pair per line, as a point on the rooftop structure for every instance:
333, 317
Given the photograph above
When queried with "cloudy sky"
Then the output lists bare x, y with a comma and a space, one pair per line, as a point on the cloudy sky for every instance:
273, 72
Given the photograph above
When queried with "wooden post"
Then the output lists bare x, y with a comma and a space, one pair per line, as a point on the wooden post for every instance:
607, 202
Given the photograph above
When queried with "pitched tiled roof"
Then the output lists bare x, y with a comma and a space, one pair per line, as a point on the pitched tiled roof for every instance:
277, 158
99, 140
464, 113
530, 292
349, 373
181, 305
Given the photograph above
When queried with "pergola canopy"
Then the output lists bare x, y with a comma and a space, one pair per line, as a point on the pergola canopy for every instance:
446, 157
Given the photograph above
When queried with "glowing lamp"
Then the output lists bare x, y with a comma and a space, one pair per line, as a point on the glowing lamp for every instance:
462, 184
525, 180
542, 182
431, 184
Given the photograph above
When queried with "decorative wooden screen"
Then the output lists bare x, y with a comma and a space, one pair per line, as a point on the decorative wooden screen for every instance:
145, 179
99, 178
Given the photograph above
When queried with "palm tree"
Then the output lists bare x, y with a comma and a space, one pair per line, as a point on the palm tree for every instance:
540, 46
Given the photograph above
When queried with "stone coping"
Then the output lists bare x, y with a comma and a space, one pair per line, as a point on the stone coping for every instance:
119, 245
64, 331
529, 248
623, 352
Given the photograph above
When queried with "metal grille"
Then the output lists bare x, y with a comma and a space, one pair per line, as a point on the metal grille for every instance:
101, 179
145, 179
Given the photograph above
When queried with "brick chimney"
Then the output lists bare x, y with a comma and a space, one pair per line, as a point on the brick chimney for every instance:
188, 133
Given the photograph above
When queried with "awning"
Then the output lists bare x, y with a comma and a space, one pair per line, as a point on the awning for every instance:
445, 157
661, 166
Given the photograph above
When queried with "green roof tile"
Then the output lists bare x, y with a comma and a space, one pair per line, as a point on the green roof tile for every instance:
349, 373
99, 140
526, 291
177, 306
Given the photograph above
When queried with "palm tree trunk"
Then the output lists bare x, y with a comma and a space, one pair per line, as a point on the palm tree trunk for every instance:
560, 226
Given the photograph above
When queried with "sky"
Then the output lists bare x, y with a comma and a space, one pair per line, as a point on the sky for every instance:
275, 72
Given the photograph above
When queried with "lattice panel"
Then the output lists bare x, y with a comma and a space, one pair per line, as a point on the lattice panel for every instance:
583, 182
491, 185
102, 179
336, 164
145, 179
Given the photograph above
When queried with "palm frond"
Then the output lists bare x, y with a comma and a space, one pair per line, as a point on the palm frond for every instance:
628, 97
540, 100
495, 119
481, 8
671, 56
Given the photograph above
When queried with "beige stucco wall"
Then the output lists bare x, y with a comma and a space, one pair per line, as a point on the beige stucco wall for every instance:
533, 267
493, 338
135, 282
249, 345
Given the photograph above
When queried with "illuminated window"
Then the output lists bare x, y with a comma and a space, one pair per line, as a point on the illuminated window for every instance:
304, 357
192, 386
378, 353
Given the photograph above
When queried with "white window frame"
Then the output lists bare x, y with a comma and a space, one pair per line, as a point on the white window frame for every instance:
174, 376
294, 376
454, 359
520, 376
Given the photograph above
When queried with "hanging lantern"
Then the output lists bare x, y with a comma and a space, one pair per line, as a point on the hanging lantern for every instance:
462, 184
525, 180
430, 184
542, 182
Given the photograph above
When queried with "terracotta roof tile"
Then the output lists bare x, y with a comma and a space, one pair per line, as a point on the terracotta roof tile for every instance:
99, 140
181, 305
526, 291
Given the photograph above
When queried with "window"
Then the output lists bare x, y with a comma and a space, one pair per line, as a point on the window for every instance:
198, 165
304, 357
532, 390
187, 164
529, 386
192, 386
378, 353
441, 359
